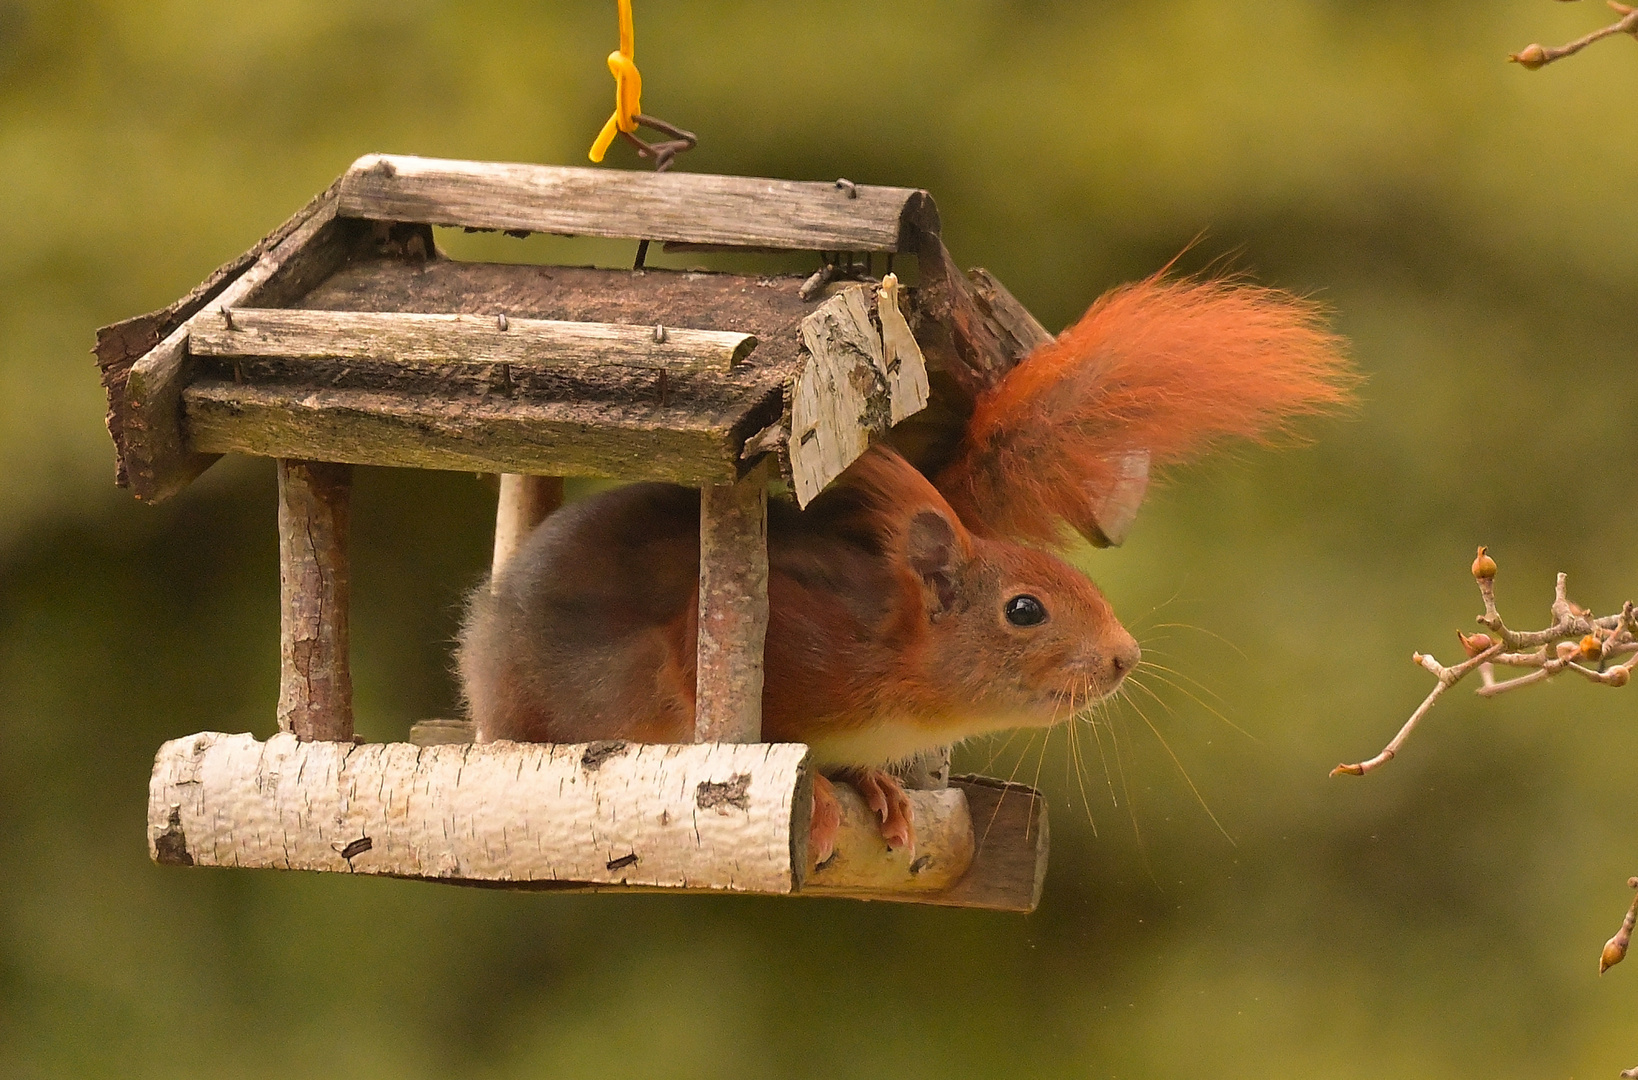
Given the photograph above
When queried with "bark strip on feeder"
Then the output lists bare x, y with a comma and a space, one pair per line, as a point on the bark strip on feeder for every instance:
525, 501
315, 679
472, 434
733, 613
404, 337
158, 461
693, 208
847, 390
513, 813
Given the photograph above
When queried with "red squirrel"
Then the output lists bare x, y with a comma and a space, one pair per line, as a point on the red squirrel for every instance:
904, 614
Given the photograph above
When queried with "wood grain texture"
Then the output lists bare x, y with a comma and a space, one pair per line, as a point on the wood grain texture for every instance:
733, 611
1024, 332
524, 502
315, 674
692, 208
417, 430
718, 817
1010, 864
390, 338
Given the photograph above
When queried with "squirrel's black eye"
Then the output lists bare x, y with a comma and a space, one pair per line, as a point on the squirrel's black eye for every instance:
1025, 610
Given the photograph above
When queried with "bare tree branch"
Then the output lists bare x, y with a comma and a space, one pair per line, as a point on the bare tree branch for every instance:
1536, 55
1577, 642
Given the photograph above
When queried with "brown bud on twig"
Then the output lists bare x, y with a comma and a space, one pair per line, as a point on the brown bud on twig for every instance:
1484, 566
1531, 56
1618, 676
1591, 648
1474, 644
1615, 949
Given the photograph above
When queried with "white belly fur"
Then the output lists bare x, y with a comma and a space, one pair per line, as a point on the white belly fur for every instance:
890, 741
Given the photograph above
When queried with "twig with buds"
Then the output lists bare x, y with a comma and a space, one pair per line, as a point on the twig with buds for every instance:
1535, 56
1577, 641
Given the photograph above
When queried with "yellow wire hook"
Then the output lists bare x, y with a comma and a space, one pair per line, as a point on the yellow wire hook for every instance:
628, 86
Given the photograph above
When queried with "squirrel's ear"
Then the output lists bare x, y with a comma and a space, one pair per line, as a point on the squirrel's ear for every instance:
934, 552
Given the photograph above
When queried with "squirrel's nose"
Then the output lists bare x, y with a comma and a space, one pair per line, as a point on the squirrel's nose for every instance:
1124, 656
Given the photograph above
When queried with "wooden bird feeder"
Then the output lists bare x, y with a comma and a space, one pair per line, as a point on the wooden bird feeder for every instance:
345, 337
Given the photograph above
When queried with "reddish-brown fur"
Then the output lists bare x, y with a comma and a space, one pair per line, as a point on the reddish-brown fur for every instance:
885, 614
1171, 367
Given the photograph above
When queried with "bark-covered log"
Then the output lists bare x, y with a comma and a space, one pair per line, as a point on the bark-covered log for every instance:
1010, 863
847, 392
1009, 853
716, 816
733, 613
394, 338
315, 674
694, 208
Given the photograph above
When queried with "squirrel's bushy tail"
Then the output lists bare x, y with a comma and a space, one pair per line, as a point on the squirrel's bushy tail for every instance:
1155, 373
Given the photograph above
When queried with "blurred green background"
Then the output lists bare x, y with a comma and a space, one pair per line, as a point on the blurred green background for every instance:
1469, 223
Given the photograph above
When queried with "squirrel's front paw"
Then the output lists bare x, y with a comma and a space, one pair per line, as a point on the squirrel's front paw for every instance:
885, 795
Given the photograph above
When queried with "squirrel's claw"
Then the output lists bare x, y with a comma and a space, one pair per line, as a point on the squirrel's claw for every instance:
826, 823
885, 795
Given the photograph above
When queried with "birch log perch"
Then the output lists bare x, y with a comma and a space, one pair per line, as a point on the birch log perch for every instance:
702, 817
692, 208
315, 678
714, 816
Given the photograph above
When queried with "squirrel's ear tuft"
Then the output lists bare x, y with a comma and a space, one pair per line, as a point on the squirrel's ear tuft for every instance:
1157, 372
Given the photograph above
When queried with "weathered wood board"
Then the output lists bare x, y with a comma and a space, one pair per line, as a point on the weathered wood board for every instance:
410, 338
158, 463
691, 208
417, 430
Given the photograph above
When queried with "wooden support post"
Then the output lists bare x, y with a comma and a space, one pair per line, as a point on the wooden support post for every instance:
315, 682
524, 503
733, 620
